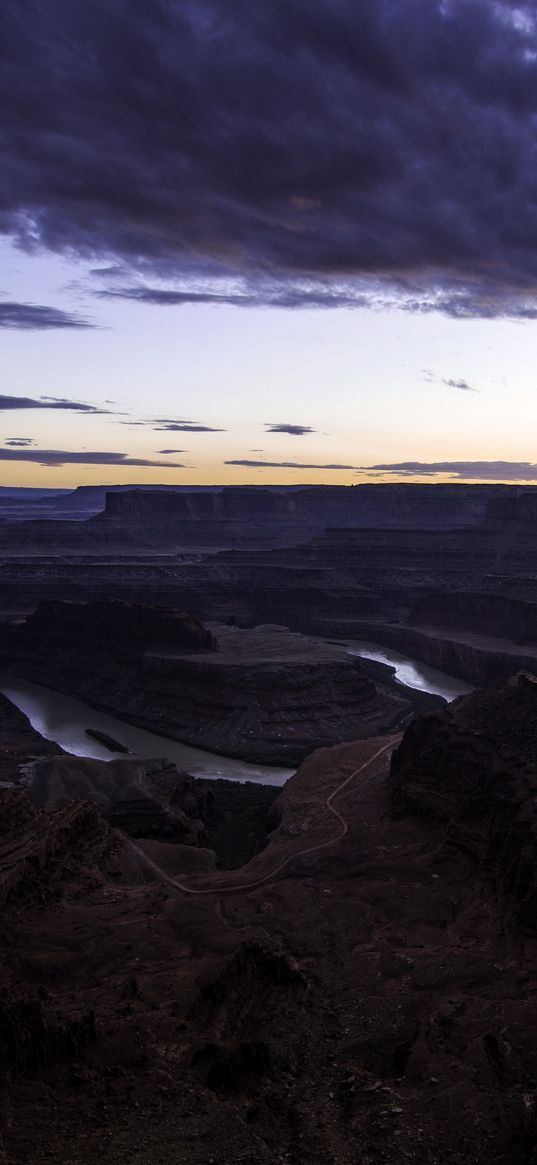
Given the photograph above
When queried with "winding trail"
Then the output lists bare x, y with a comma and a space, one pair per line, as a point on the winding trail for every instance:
311, 849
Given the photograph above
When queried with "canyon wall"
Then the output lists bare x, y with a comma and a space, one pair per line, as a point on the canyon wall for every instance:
472, 768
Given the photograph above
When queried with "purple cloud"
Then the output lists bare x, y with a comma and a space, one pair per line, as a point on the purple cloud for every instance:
346, 166
58, 457
47, 402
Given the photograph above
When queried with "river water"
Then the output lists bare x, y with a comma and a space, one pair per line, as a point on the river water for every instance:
64, 719
408, 671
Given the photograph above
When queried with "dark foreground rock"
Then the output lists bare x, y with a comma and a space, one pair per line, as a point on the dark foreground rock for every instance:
472, 768
362, 990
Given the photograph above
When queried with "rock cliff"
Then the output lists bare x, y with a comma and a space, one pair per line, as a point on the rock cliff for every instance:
120, 629
472, 768
239, 516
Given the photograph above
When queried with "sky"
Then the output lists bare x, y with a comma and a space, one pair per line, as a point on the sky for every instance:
285, 242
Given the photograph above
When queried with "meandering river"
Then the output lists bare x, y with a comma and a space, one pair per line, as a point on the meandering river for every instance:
65, 719
408, 671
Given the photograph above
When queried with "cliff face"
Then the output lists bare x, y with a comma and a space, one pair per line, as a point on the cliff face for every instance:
120, 629
478, 613
472, 769
477, 659
518, 507
365, 505
249, 517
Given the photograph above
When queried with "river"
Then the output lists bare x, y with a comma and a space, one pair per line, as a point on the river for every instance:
409, 672
65, 719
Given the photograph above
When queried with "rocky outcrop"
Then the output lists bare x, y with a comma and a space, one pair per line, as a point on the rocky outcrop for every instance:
123, 630
472, 768
33, 846
149, 799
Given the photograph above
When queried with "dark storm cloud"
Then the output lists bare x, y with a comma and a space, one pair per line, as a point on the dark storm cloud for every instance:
484, 470
58, 457
284, 465
303, 152
34, 316
292, 430
47, 402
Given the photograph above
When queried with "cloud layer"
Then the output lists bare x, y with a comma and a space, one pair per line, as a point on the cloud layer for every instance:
284, 465
462, 470
35, 316
185, 427
58, 457
304, 152
450, 382
47, 402
292, 430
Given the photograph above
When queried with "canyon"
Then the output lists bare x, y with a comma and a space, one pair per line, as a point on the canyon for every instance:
446, 572
263, 694
340, 969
